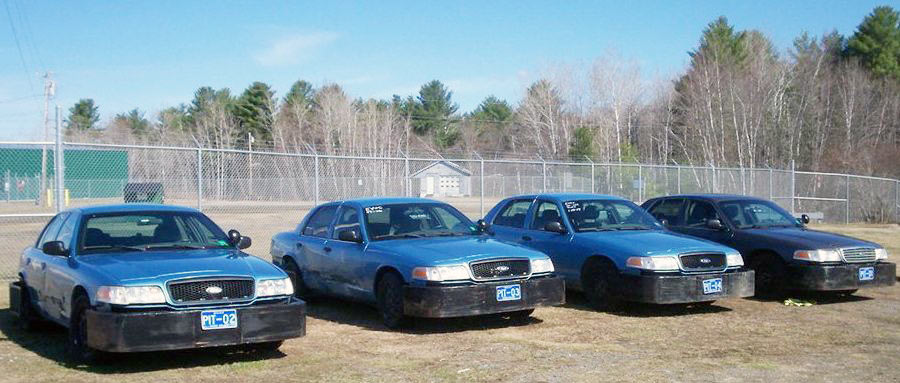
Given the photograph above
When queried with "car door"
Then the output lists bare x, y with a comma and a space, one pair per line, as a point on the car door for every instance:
347, 261
509, 223
313, 248
35, 263
558, 246
696, 215
669, 211
59, 281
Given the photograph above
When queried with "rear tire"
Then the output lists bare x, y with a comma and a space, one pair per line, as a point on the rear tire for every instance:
520, 316
78, 349
293, 271
271, 346
598, 279
27, 315
390, 301
771, 274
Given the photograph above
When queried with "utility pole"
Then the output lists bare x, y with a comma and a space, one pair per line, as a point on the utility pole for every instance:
49, 92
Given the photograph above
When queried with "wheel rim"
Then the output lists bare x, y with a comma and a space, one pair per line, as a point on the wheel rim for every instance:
392, 302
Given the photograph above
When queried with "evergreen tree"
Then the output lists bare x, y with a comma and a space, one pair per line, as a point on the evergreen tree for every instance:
255, 112
83, 116
135, 122
582, 146
720, 42
433, 114
877, 42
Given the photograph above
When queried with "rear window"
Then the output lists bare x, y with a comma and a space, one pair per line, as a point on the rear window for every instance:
146, 230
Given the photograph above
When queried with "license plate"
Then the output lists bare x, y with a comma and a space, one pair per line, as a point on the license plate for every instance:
218, 319
509, 293
712, 286
866, 273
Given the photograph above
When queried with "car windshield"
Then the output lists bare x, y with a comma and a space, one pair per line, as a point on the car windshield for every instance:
756, 214
141, 231
416, 220
608, 215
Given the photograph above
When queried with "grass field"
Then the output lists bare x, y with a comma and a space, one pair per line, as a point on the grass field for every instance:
847, 339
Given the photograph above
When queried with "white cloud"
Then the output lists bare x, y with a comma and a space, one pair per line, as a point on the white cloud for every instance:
294, 48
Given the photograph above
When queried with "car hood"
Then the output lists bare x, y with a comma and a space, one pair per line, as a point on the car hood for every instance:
150, 267
453, 250
803, 238
647, 243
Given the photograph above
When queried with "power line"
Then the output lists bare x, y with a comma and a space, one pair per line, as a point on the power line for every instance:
18, 45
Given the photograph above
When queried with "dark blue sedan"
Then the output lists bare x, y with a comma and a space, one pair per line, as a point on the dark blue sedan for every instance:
413, 257
784, 253
126, 278
613, 250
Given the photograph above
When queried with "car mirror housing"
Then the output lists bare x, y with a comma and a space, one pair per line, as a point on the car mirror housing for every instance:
715, 224
55, 248
244, 242
555, 227
664, 222
350, 235
234, 236
483, 226
804, 219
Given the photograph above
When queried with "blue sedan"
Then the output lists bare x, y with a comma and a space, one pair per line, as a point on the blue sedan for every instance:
413, 257
613, 250
126, 278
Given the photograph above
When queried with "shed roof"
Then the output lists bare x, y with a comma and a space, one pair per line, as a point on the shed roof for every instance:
446, 163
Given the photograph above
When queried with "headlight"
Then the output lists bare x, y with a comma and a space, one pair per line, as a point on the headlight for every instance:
881, 254
272, 287
820, 255
442, 273
543, 265
130, 295
734, 259
665, 263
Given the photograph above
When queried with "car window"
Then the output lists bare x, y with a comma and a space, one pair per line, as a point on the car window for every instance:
52, 228
756, 214
348, 219
66, 231
545, 213
317, 226
513, 214
601, 215
669, 210
698, 212
416, 220
157, 230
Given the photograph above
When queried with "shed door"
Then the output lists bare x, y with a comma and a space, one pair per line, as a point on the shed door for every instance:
449, 185
429, 185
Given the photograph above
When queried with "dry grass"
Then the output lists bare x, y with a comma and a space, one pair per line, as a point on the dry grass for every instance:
848, 339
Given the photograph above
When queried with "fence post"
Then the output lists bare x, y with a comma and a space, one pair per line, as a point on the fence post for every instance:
592, 173
60, 165
199, 178
640, 183
771, 186
408, 190
847, 218
482, 183
316, 171
543, 176
678, 176
7, 184
793, 185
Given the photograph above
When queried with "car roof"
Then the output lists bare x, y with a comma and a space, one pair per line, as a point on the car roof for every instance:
130, 207
374, 201
713, 197
562, 197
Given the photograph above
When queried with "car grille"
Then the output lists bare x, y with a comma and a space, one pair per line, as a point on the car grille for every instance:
193, 292
858, 254
703, 262
501, 269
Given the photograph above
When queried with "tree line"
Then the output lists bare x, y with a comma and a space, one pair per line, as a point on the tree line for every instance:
828, 103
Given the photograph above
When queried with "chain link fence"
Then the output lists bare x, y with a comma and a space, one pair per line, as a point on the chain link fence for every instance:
262, 193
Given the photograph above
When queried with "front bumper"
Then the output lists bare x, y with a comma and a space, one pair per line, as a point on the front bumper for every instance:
171, 330
841, 277
667, 289
481, 298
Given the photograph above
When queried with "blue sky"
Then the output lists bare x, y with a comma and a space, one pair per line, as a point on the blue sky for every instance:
154, 54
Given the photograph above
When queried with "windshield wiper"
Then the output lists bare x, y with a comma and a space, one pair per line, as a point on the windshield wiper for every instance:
595, 229
633, 228
407, 235
177, 247
114, 247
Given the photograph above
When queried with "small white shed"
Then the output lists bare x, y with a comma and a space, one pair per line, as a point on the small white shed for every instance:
444, 179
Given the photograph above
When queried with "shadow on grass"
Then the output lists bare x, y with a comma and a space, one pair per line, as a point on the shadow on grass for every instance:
576, 300
819, 297
49, 341
365, 316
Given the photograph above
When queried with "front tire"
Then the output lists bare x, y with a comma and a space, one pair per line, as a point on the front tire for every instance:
390, 301
598, 279
266, 347
293, 271
27, 315
520, 316
771, 275
78, 349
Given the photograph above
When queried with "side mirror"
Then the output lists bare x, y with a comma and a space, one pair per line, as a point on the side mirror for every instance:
664, 222
714, 224
804, 219
244, 243
234, 236
350, 235
55, 248
483, 226
555, 227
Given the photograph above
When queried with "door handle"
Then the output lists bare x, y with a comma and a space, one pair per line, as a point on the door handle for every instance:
526, 238
327, 249
299, 245
43, 265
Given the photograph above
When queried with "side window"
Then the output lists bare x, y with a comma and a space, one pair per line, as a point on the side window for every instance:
669, 210
317, 226
51, 230
348, 219
513, 214
68, 228
545, 213
698, 212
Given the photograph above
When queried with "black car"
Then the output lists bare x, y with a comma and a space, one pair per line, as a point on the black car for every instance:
784, 253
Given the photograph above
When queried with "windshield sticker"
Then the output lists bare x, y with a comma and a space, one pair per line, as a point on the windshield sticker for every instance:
572, 206
374, 209
418, 216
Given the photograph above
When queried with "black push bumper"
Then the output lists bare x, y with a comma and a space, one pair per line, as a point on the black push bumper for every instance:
171, 330
841, 277
481, 298
685, 288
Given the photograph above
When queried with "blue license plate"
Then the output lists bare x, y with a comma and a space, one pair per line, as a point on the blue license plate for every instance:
866, 273
509, 293
712, 286
218, 319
